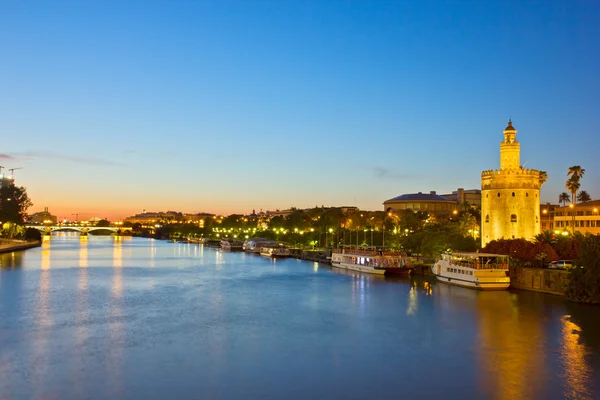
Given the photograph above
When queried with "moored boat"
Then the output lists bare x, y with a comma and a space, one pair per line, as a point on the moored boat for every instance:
275, 251
482, 271
254, 245
372, 261
231, 245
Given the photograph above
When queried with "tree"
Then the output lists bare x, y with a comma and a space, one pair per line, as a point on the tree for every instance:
32, 235
14, 202
584, 279
543, 177
583, 196
572, 186
576, 171
564, 198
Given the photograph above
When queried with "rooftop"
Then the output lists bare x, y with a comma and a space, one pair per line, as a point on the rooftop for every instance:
420, 197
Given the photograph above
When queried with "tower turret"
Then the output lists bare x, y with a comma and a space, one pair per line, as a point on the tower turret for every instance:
510, 196
510, 149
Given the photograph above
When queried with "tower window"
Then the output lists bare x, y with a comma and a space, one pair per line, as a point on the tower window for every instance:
487, 218
526, 194
513, 194
498, 194
536, 219
513, 218
486, 195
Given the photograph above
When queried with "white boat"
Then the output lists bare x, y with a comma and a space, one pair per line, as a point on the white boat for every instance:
482, 271
231, 245
254, 245
358, 260
275, 251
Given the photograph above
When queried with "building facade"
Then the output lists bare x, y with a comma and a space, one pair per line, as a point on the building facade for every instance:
582, 217
510, 196
433, 204
43, 217
470, 197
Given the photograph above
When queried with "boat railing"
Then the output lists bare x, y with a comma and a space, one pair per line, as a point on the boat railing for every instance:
355, 251
477, 265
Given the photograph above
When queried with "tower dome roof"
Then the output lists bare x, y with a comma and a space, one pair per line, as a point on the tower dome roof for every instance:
510, 127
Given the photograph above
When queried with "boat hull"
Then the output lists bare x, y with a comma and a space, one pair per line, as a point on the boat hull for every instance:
479, 285
399, 271
360, 268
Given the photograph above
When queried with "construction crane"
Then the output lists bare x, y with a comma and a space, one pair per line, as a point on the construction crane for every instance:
12, 171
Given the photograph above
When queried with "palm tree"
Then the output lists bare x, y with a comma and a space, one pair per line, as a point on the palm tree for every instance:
543, 177
575, 174
583, 196
563, 198
573, 186
576, 171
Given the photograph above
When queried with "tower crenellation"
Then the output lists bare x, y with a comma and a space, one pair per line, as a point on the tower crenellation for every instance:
510, 195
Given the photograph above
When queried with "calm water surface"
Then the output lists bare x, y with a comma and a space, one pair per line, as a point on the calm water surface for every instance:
138, 318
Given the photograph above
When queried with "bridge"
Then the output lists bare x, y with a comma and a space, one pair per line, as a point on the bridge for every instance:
48, 229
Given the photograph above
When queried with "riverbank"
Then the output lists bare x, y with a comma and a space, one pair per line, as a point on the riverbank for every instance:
8, 246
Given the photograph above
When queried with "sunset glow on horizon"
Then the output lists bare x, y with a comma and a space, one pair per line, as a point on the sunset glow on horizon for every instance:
112, 108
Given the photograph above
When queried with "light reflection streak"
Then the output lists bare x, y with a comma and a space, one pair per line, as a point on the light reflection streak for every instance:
510, 346
316, 266
44, 323
81, 318
116, 326
412, 300
152, 253
576, 370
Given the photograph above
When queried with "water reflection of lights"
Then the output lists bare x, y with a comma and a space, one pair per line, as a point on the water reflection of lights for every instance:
83, 254
412, 300
118, 254
152, 253
45, 255
509, 344
359, 284
573, 357
316, 266
11, 260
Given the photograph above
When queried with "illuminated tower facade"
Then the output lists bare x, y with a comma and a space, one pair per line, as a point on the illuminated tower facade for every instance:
510, 196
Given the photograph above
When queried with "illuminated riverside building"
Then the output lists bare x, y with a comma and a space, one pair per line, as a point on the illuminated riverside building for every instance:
169, 217
510, 196
471, 197
433, 204
43, 217
582, 217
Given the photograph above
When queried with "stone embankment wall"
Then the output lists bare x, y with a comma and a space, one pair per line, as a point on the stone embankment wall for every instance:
539, 279
8, 246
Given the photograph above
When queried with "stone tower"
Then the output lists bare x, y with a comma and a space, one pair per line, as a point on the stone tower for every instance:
510, 196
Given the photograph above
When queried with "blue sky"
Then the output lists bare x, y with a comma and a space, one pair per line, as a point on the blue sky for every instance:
113, 107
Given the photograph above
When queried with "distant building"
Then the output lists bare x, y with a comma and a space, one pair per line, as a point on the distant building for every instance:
582, 217
432, 203
168, 217
472, 197
43, 217
510, 202
547, 216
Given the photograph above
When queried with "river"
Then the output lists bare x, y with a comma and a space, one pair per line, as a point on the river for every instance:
127, 318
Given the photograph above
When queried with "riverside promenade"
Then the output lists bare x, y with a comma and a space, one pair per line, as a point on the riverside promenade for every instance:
9, 245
